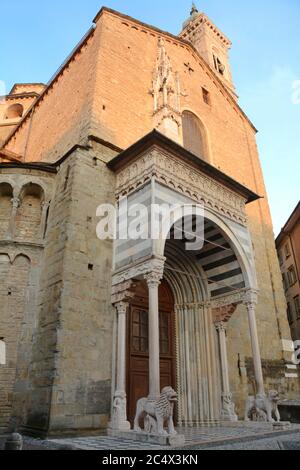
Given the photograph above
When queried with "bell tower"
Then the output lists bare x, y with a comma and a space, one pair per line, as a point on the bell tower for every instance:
211, 44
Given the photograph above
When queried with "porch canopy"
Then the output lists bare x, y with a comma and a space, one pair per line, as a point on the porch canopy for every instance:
208, 280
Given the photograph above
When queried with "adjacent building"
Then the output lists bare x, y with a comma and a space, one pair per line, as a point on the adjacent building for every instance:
288, 249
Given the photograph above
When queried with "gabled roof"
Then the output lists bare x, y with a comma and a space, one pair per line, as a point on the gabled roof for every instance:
155, 138
16, 85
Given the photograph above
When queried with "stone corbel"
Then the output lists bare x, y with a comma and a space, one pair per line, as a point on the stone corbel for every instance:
139, 270
122, 292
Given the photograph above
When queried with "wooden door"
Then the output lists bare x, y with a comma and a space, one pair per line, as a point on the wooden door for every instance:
138, 352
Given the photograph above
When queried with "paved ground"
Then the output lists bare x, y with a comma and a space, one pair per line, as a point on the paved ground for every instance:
239, 436
236, 436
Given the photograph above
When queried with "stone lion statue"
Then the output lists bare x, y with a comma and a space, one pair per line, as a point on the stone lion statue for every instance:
263, 408
157, 413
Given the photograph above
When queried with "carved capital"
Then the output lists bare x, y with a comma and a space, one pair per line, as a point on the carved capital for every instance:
45, 205
122, 307
221, 327
251, 298
153, 279
15, 202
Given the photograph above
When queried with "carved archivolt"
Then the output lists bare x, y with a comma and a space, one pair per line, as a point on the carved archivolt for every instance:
181, 177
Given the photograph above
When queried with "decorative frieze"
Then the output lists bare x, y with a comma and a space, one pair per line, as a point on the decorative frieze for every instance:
181, 177
233, 298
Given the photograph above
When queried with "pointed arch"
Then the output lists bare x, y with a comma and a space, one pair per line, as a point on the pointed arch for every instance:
194, 135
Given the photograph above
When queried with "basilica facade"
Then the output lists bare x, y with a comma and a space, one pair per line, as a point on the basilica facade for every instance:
90, 325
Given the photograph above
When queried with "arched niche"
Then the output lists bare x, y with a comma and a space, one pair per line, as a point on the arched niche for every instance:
29, 213
15, 111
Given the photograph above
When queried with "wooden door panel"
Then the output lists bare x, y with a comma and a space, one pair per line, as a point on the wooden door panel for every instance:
137, 351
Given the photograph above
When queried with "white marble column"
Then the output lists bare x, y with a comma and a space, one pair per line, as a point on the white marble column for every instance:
251, 303
228, 408
153, 280
12, 223
119, 416
45, 207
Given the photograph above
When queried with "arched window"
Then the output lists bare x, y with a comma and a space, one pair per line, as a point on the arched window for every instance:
194, 135
6, 195
15, 111
218, 62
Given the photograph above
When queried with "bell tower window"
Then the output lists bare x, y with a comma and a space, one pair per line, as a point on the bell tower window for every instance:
220, 68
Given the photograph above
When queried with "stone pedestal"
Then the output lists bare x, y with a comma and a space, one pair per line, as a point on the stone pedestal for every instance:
119, 412
282, 426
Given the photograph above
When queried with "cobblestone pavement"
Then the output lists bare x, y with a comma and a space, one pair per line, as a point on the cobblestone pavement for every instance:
232, 436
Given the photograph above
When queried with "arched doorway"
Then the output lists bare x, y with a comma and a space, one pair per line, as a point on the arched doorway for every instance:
138, 340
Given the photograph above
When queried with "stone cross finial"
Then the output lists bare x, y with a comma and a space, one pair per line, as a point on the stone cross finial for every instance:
194, 9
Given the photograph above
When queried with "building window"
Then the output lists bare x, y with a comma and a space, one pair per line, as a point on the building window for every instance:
2, 352
206, 96
289, 313
15, 111
287, 250
297, 306
220, 68
292, 276
284, 281
280, 257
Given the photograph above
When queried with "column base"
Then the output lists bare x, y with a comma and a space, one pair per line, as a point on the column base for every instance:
120, 427
231, 418
143, 437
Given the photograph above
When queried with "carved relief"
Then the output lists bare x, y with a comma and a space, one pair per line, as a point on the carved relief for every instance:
179, 176
154, 266
223, 314
156, 413
234, 298
166, 95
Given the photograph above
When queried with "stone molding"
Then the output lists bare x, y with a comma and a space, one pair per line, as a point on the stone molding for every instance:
181, 177
241, 296
121, 293
154, 266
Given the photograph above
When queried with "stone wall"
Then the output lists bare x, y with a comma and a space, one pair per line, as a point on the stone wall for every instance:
71, 367
20, 260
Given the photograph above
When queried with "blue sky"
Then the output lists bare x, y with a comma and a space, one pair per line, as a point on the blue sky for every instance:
36, 36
